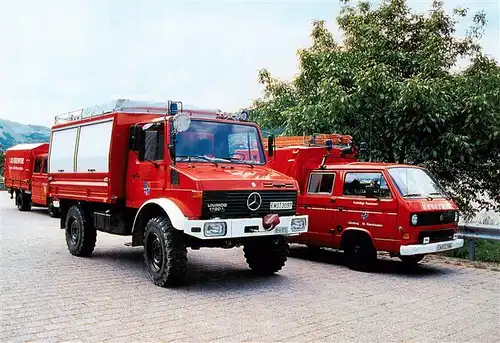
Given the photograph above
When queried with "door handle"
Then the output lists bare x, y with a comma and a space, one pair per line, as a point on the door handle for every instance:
332, 200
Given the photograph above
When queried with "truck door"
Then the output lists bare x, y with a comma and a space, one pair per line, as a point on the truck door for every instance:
375, 213
37, 183
318, 204
146, 179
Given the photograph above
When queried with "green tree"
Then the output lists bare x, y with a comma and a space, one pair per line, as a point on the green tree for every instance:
394, 83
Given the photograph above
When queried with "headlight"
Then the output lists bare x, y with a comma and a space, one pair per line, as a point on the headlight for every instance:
215, 229
298, 224
456, 217
414, 219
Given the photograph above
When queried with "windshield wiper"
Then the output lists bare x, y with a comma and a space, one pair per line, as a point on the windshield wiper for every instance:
201, 157
242, 161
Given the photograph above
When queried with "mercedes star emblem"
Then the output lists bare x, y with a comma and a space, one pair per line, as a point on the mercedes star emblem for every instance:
254, 201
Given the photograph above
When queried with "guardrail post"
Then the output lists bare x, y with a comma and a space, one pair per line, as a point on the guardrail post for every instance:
472, 249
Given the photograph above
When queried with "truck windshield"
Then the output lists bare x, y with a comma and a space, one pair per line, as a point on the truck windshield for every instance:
208, 141
415, 183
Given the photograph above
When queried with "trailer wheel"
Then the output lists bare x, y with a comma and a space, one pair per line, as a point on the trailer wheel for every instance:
53, 212
23, 202
411, 260
266, 255
165, 253
359, 252
81, 235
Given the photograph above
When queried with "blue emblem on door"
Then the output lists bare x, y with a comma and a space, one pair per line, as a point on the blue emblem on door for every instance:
147, 188
364, 215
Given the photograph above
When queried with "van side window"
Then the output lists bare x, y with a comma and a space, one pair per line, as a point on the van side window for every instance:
38, 165
155, 143
45, 162
321, 183
355, 183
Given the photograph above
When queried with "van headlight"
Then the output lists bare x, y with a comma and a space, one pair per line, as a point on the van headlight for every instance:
456, 217
298, 224
215, 229
414, 219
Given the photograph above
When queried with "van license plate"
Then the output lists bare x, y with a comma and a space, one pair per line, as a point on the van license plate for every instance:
281, 205
445, 246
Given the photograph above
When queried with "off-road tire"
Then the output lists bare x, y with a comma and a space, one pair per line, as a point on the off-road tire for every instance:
165, 253
23, 202
266, 255
81, 234
53, 212
411, 260
360, 254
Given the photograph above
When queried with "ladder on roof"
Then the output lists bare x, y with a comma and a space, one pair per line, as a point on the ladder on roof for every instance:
312, 140
120, 105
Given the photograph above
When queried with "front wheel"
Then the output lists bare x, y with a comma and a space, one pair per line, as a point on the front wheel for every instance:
165, 253
81, 235
266, 255
412, 260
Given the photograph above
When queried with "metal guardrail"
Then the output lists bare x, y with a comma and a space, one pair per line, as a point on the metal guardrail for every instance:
474, 232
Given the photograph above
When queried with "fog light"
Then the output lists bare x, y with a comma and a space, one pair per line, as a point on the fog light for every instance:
426, 240
455, 236
215, 229
298, 224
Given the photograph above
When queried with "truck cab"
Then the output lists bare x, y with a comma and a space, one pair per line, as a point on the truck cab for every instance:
171, 177
362, 207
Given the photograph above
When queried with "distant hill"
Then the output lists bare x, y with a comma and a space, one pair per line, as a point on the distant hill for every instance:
12, 133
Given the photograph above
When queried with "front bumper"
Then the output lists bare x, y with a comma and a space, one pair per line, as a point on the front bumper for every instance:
430, 248
244, 227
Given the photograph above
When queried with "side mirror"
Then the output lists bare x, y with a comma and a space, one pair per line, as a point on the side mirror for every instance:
270, 145
363, 147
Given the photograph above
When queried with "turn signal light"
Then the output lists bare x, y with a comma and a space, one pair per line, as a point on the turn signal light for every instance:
406, 235
197, 194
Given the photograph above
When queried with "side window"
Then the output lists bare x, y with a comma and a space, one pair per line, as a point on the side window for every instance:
356, 184
45, 162
321, 183
155, 143
38, 165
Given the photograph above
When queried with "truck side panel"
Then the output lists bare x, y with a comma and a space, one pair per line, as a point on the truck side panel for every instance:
19, 163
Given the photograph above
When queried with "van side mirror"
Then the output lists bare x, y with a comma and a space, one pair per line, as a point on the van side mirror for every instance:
270, 145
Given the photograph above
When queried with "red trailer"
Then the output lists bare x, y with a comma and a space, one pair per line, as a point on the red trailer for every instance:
26, 176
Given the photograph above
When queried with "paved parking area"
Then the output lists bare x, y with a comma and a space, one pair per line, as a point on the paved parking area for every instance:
49, 295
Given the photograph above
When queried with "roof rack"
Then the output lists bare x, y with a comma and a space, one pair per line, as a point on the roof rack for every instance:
313, 140
125, 106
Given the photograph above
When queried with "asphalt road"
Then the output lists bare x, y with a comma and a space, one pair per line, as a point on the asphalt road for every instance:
49, 295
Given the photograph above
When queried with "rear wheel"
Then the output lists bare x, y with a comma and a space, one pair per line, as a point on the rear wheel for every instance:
165, 253
266, 255
360, 252
412, 260
23, 202
81, 235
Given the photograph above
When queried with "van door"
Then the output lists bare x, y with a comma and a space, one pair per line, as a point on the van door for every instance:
146, 179
37, 181
317, 204
376, 214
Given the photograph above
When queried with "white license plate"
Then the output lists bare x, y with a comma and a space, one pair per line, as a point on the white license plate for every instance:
281, 205
445, 246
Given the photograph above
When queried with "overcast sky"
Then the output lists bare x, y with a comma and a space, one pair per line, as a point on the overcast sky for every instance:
58, 56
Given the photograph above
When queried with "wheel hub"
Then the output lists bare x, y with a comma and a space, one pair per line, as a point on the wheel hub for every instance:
154, 252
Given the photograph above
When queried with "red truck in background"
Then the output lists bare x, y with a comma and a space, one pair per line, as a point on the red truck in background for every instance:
362, 207
170, 178
26, 176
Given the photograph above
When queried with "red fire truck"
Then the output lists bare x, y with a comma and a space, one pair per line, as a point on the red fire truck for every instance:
26, 176
169, 177
362, 207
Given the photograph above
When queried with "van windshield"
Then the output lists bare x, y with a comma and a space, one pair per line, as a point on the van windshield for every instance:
209, 141
415, 182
